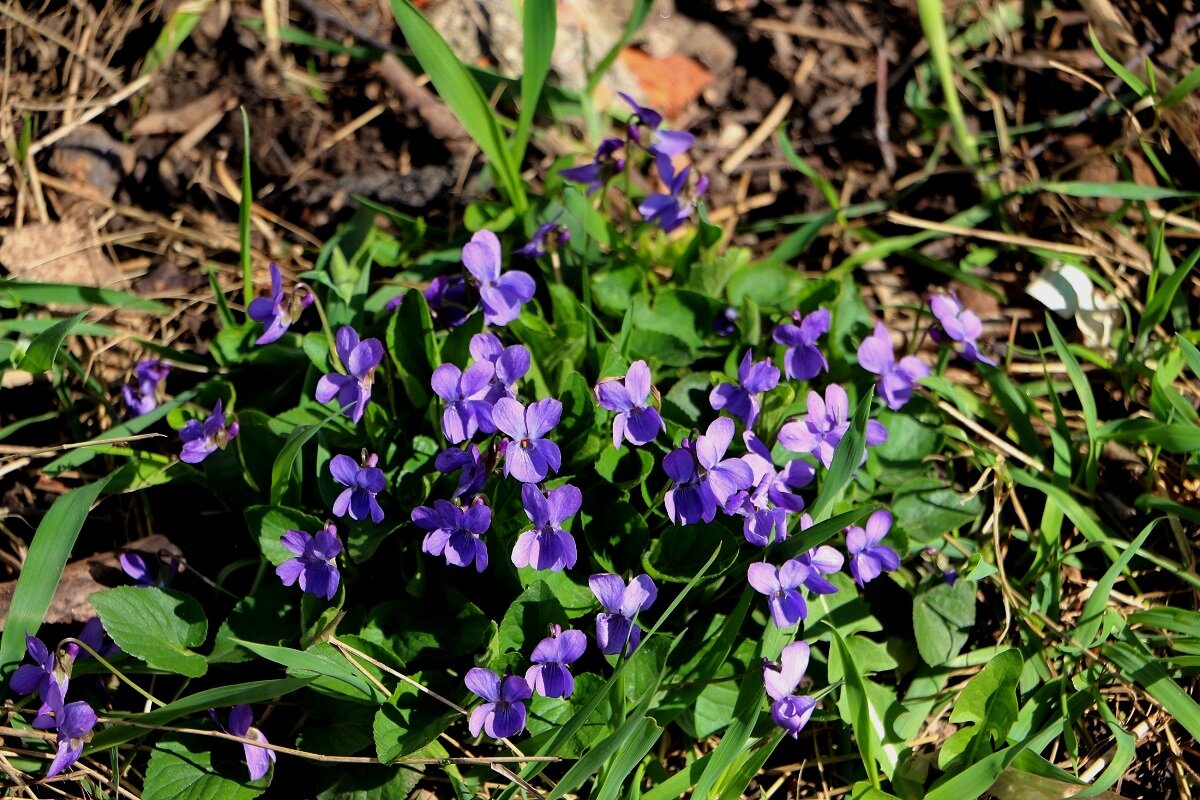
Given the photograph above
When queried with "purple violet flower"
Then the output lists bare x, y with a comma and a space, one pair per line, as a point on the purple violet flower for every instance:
546, 238
821, 561
637, 420
742, 399
824, 425
241, 723
528, 457
781, 588
550, 675
789, 711
363, 483
94, 636
690, 500
455, 532
600, 169
669, 143
959, 325
803, 359
278, 311
615, 626
202, 439
451, 300
725, 323
73, 722
353, 390
510, 364
869, 558
770, 498
704, 479
315, 564
503, 714
667, 209
724, 476
502, 295
547, 545
148, 373
134, 565
896, 381
465, 393
470, 461
41, 675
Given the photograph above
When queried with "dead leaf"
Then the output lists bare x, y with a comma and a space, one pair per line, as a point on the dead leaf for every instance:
57, 252
669, 83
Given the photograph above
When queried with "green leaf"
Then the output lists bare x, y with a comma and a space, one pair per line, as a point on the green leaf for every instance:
40, 355
156, 625
1090, 618
268, 523
69, 295
321, 661
1087, 401
1137, 665
863, 702
198, 768
846, 460
540, 21
48, 552
928, 508
942, 619
401, 727
413, 347
528, 619
282, 478
464, 97
989, 700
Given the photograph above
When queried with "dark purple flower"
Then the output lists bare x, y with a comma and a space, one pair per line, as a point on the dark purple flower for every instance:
636, 419
510, 363
668, 210
547, 545
148, 374
950, 577
470, 461
824, 425
93, 635
869, 558
202, 439
258, 759
770, 497
315, 564
451, 300
528, 457
781, 586
363, 483
502, 295
41, 675
896, 381
465, 393
615, 626
546, 238
725, 323
803, 359
353, 390
73, 723
787, 710
600, 169
670, 143
959, 325
550, 675
455, 532
690, 500
134, 565
278, 311
503, 714
742, 400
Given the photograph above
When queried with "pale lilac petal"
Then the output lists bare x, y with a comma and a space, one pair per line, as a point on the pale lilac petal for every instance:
637, 382
484, 683
330, 385
876, 433
609, 590
345, 341
792, 573
508, 415
445, 382
481, 256
794, 660
478, 717
258, 759
289, 571
612, 395
542, 416
563, 503
344, 469
875, 353
763, 577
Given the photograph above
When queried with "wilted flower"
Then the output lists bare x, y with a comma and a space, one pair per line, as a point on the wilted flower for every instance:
781, 588
502, 295
636, 420
550, 675
742, 399
202, 439
510, 363
455, 532
668, 210
803, 359
824, 425
959, 325
466, 396
789, 711
528, 457
547, 545
363, 483
278, 311
470, 461
725, 323
896, 381
545, 238
241, 719
353, 391
315, 564
503, 714
869, 558
603, 166
148, 374
615, 626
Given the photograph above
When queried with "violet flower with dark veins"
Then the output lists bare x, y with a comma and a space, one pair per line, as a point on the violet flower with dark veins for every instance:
40, 675
547, 545
278, 311
803, 359
202, 439
511, 363
315, 564
958, 324
825, 423
600, 169
781, 586
465, 393
528, 456
550, 675
363, 483
353, 390
455, 532
502, 295
73, 723
896, 380
690, 500
742, 399
637, 420
503, 714
470, 461
868, 558
616, 631
787, 710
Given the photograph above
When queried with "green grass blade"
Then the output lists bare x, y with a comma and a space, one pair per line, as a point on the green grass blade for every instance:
846, 460
464, 97
1087, 401
1118, 190
70, 295
1119, 69
43, 349
48, 553
933, 23
247, 201
540, 20
638, 734
641, 9
800, 165
1138, 665
1159, 303
738, 779
866, 729
1093, 610
680, 782
1189, 84
174, 33
281, 469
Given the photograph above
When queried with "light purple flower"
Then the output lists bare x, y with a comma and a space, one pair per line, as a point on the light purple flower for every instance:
615, 626
547, 545
148, 373
362, 484
724, 476
789, 711
241, 723
510, 363
315, 564
353, 390
202, 439
278, 311
528, 457
704, 479
550, 675
958, 324
869, 558
781, 588
821, 561
803, 359
471, 462
465, 393
503, 714
73, 723
39, 676
455, 532
600, 169
546, 238
670, 143
637, 420
668, 210
896, 381
502, 295
824, 425
742, 399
